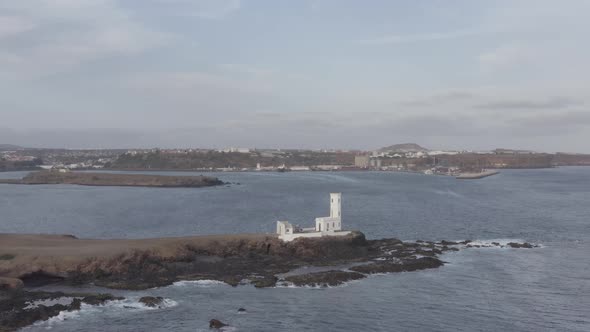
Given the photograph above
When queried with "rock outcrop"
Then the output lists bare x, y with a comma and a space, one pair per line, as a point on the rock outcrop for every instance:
216, 324
324, 279
234, 259
151, 301
19, 308
112, 179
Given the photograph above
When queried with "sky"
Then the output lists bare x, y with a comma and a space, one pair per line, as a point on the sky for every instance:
452, 74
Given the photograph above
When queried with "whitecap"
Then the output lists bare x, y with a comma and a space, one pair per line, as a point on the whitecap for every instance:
447, 192
66, 315
133, 303
201, 283
118, 305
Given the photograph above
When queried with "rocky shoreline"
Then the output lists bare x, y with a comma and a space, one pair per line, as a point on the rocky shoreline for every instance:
20, 308
259, 260
115, 179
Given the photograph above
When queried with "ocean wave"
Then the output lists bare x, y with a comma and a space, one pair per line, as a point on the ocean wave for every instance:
66, 315
133, 303
86, 309
200, 283
447, 192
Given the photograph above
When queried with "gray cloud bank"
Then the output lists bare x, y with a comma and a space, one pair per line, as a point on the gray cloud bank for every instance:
541, 131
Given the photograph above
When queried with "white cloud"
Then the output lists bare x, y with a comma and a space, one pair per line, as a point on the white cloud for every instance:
70, 33
12, 25
245, 69
506, 56
399, 39
205, 9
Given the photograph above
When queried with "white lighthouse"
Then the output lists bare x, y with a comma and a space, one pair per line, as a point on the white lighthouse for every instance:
324, 226
334, 221
335, 205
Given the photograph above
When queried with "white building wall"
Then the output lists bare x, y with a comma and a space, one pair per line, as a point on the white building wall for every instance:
291, 237
324, 226
328, 224
284, 227
336, 205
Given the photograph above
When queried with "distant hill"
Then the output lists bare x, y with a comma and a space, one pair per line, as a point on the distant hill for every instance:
405, 147
10, 147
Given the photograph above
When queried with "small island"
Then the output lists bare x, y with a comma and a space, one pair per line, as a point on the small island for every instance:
114, 179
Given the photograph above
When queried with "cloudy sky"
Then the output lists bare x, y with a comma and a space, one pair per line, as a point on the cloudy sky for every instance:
310, 73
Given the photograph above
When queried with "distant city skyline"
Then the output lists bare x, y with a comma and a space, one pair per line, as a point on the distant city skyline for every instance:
309, 74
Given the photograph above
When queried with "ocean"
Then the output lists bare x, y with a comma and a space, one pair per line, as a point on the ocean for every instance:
479, 289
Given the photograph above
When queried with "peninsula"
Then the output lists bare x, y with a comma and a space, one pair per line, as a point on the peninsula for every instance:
262, 260
114, 179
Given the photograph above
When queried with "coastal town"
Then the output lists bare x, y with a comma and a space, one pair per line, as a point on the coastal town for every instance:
408, 157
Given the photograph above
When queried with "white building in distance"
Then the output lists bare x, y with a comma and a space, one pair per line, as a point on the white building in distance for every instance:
324, 226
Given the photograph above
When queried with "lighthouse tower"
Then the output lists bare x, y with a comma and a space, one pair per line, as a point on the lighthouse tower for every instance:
336, 205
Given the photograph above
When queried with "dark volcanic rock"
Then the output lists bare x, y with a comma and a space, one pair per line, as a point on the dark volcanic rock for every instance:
406, 265
110, 179
100, 299
151, 301
324, 279
445, 248
520, 245
266, 281
40, 278
231, 259
75, 305
13, 314
216, 324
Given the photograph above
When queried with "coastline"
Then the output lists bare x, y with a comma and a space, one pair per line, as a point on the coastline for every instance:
261, 260
115, 180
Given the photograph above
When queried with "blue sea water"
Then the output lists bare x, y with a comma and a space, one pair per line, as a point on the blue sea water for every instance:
487, 289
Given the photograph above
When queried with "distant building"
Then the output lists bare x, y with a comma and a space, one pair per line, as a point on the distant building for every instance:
324, 226
362, 161
238, 150
375, 162
299, 168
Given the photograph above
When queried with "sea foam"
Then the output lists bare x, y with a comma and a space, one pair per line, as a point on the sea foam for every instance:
200, 283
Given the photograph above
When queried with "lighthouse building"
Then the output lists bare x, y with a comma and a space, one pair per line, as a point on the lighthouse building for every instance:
324, 226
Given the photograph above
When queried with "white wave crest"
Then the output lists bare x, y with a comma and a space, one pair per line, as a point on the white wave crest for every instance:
66, 315
201, 283
118, 305
133, 303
